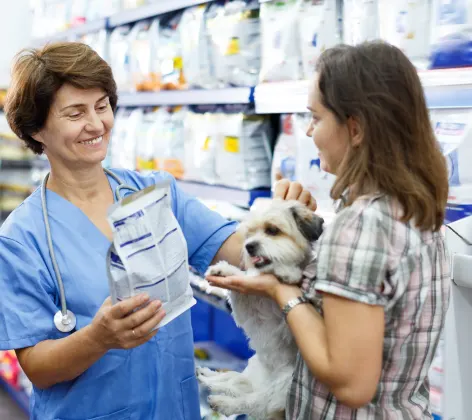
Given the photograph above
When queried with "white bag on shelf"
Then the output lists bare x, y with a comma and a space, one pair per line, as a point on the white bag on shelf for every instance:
119, 54
319, 30
201, 133
196, 54
285, 151
453, 129
360, 21
234, 30
243, 152
123, 154
281, 56
406, 24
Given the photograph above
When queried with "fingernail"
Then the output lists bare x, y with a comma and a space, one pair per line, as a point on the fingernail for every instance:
144, 297
157, 304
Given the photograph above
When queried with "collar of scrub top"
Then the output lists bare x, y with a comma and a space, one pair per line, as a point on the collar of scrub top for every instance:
65, 320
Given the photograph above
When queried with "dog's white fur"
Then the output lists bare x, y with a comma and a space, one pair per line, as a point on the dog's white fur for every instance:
280, 240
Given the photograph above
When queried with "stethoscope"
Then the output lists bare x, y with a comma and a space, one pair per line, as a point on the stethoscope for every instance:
65, 320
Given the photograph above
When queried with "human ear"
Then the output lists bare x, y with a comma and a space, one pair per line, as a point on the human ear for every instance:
356, 133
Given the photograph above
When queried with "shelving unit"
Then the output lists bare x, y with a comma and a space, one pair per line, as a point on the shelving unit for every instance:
144, 12
187, 97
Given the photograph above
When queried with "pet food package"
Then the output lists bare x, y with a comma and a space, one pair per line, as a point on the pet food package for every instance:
119, 56
149, 251
127, 125
406, 24
308, 166
451, 26
98, 41
169, 53
146, 159
144, 43
243, 151
319, 30
280, 41
234, 31
360, 21
196, 53
78, 12
172, 143
285, 151
201, 136
453, 131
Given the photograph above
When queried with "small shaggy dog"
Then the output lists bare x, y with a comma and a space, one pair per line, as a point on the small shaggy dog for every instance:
278, 241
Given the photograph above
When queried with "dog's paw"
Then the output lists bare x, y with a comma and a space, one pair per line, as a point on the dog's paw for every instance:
223, 404
205, 372
223, 269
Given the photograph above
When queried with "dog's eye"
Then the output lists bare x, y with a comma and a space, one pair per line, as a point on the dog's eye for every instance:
272, 230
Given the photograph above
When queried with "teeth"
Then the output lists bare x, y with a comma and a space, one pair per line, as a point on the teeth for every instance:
94, 141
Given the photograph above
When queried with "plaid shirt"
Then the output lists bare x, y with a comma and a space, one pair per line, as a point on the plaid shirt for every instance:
369, 256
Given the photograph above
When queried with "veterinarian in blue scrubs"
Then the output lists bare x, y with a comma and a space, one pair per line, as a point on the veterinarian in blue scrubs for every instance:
110, 367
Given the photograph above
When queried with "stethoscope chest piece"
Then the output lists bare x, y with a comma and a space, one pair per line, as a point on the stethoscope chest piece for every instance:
65, 323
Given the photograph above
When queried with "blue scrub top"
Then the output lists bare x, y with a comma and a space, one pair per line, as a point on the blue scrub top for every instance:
154, 381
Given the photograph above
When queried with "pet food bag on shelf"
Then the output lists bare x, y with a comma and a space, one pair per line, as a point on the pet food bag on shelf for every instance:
308, 166
234, 30
285, 151
406, 24
451, 33
97, 41
119, 55
360, 21
170, 52
146, 159
144, 43
319, 30
196, 52
124, 139
243, 150
453, 131
281, 56
173, 144
201, 133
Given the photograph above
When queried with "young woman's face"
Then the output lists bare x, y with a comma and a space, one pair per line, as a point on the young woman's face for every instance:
331, 138
77, 130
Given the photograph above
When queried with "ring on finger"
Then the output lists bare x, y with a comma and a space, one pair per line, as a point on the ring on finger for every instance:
134, 333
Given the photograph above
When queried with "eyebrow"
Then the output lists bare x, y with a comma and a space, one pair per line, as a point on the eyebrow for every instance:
78, 105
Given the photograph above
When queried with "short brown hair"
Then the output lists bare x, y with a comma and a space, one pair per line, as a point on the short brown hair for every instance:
379, 87
38, 74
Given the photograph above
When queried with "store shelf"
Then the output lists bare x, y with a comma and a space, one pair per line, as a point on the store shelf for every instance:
187, 97
15, 164
73, 33
151, 10
451, 88
234, 196
18, 396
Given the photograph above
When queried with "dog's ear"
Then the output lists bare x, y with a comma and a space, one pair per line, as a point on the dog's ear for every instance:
310, 225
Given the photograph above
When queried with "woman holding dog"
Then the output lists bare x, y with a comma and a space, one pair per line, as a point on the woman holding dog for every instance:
368, 323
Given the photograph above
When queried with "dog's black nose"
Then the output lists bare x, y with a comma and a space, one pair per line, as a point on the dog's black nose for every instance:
251, 248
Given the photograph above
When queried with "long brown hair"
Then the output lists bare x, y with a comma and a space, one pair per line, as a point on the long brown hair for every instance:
375, 84
38, 74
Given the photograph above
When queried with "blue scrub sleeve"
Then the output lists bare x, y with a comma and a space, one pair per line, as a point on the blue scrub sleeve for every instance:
205, 230
27, 303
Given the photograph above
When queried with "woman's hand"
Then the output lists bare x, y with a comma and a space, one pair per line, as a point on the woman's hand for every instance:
264, 285
127, 324
287, 190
